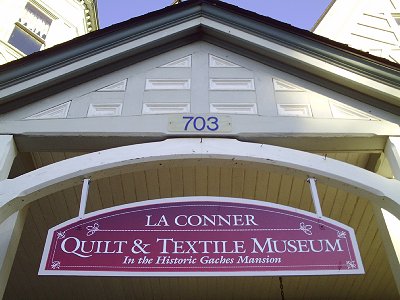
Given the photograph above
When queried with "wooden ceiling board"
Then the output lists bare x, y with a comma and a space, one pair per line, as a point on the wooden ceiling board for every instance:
72, 201
189, 181
249, 185
372, 280
22, 164
359, 285
237, 182
128, 185
105, 192
386, 283
141, 186
95, 202
306, 200
117, 190
213, 181
261, 185
164, 183
274, 183
152, 182
225, 182
348, 208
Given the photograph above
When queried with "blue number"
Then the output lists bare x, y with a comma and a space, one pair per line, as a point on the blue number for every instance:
200, 123
214, 121
188, 122
202, 126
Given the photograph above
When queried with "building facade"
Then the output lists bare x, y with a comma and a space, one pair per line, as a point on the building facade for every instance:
371, 26
31, 26
200, 99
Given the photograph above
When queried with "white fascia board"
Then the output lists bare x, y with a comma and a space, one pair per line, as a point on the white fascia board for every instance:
246, 124
303, 58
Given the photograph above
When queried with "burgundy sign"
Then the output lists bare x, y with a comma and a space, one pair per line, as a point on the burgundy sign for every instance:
200, 236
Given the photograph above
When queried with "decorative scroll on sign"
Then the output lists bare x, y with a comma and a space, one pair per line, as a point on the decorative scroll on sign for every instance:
200, 236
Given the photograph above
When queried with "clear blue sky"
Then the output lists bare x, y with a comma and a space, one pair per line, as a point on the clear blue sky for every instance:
299, 13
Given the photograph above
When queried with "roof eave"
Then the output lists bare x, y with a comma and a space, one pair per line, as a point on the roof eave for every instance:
283, 34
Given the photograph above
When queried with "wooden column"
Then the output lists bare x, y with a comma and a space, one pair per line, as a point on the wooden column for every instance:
11, 228
389, 224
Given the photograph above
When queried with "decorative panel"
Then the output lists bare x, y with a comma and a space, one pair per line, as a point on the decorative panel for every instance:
283, 86
104, 110
233, 108
167, 84
56, 112
299, 110
231, 84
119, 86
185, 62
165, 108
342, 111
217, 62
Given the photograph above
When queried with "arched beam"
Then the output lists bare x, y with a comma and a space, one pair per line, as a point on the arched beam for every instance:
18, 192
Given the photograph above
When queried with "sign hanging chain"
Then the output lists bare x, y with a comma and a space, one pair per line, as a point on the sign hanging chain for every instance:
281, 287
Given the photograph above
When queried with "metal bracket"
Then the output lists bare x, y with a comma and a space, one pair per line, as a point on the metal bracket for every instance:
314, 194
84, 196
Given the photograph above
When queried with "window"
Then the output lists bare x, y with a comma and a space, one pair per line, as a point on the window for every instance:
30, 31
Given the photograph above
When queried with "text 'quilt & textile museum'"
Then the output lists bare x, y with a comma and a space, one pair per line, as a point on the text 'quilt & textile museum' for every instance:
201, 151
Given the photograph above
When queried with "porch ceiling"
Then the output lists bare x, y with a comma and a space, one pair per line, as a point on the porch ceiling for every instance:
199, 177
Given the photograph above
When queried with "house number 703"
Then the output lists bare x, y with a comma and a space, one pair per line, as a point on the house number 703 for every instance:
201, 123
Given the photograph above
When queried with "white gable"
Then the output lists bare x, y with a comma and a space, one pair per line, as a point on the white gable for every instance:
372, 26
196, 80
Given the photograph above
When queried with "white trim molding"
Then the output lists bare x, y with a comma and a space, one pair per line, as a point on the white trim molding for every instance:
11, 228
20, 191
392, 153
8, 152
